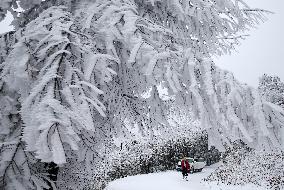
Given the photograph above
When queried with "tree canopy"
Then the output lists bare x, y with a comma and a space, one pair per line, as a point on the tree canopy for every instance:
272, 89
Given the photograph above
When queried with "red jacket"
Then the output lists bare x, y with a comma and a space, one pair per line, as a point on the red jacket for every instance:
185, 165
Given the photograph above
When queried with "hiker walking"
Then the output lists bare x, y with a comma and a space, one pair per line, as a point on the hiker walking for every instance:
185, 167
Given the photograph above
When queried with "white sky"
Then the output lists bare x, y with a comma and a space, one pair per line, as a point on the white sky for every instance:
5, 24
260, 53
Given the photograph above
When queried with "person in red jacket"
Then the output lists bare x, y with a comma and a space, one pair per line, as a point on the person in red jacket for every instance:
185, 167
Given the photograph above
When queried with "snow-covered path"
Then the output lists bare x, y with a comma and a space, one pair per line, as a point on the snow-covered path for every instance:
172, 180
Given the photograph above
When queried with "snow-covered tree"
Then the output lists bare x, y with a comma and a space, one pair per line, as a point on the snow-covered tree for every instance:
272, 89
18, 168
87, 70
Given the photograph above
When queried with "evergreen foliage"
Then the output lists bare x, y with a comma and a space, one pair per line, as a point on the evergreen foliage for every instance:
272, 89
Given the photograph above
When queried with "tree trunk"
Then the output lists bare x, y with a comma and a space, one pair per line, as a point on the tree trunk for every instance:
52, 170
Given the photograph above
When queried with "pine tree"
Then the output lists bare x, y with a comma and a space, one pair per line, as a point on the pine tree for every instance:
19, 168
87, 71
272, 89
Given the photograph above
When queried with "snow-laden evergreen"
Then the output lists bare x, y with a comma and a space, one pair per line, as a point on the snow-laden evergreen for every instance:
243, 165
86, 71
272, 89
57, 100
18, 168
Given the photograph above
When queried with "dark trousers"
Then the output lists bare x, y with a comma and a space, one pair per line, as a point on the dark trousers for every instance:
184, 173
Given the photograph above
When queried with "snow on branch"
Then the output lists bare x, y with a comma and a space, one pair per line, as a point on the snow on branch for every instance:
52, 111
150, 51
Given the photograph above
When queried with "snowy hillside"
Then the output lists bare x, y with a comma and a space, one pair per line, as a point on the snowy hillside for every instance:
172, 180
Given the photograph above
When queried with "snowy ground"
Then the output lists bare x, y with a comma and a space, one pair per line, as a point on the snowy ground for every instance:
172, 180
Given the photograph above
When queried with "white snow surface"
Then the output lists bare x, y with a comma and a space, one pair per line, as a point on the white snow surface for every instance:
172, 180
